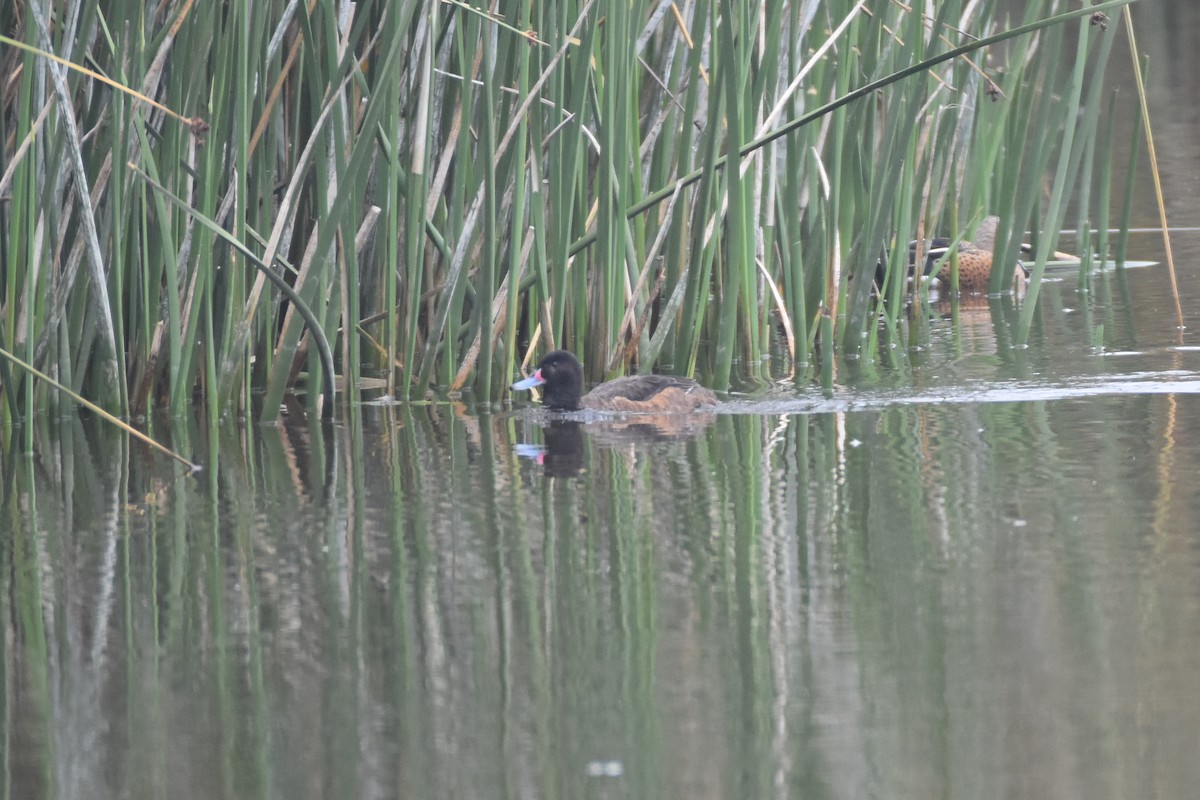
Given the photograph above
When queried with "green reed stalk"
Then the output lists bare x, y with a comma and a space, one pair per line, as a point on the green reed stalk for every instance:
446, 171
289, 292
1127, 195
36, 373
401, 331
1056, 208
739, 244
1104, 160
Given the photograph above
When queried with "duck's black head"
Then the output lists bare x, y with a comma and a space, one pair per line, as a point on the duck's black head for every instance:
562, 376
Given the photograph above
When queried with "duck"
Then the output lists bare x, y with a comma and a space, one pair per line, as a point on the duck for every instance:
974, 259
561, 373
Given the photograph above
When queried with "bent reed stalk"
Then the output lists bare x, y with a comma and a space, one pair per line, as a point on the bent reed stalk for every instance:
440, 191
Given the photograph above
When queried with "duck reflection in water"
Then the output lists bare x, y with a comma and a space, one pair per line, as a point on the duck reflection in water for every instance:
563, 453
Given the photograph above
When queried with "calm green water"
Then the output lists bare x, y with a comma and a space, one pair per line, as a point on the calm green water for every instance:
987, 589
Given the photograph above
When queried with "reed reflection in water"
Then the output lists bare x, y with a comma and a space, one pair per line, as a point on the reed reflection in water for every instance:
904, 601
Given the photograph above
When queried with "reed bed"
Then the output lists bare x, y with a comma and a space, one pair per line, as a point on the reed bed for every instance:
424, 195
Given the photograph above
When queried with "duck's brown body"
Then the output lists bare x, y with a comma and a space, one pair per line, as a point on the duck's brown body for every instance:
561, 375
974, 269
974, 260
649, 393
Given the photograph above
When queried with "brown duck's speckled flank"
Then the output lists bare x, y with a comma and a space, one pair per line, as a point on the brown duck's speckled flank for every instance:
975, 261
974, 269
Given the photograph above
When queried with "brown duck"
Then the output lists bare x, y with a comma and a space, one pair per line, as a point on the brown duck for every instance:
974, 259
561, 375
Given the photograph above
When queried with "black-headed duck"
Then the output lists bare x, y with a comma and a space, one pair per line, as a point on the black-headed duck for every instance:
561, 375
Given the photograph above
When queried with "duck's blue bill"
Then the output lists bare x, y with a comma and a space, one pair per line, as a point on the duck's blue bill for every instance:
533, 380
